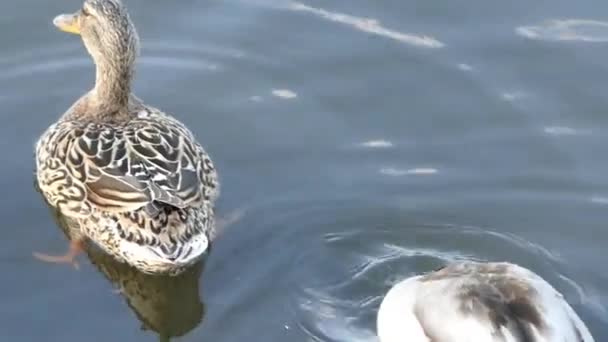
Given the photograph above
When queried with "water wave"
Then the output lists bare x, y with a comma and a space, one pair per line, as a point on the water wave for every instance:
42, 66
52, 59
584, 30
564, 131
395, 172
513, 95
284, 93
465, 67
343, 305
586, 297
368, 25
332, 317
172, 62
191, 47
38, 53
377, 143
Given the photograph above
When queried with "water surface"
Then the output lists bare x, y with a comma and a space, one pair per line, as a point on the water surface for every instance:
367, 142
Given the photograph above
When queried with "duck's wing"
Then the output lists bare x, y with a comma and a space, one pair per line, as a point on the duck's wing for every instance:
420, 310
150, 162
561, 322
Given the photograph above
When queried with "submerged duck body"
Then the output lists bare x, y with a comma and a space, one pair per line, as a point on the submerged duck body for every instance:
478, 302
136, 179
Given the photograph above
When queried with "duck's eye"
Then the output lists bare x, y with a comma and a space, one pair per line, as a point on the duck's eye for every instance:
85, 12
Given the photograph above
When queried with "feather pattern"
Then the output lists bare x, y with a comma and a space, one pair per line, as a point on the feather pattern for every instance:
135, 178
478, 302
143, 189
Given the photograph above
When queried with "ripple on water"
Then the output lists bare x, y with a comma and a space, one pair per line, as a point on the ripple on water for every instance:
584, 30
465, 67
194, 48
340, 290
587, 297
513, 95
395, 172
367, 25
284, 94
378, 143
599, 200
37, 53
564, 131
173, 62
48, 63
69, 56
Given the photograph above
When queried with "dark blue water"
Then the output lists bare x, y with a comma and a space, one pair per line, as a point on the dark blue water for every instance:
366, 142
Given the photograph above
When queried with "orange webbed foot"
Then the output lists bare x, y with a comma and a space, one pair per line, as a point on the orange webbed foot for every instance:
68, 258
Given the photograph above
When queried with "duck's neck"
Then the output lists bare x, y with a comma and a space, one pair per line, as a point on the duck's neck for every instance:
113, 84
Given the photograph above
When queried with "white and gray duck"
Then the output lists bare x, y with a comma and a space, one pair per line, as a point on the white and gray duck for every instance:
478, 302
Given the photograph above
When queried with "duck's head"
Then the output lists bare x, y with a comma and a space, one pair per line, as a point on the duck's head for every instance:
108, 34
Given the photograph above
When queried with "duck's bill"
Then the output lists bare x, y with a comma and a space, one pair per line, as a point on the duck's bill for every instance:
67, 23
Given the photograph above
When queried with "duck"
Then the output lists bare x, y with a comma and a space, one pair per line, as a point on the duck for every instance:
139, 184
471, 301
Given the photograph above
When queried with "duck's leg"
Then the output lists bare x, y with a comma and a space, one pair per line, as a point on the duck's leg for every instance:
76, 246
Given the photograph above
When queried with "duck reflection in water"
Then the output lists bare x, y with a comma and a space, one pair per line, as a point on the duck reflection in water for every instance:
170, 306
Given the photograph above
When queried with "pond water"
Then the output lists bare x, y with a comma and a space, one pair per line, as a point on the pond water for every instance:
363, 142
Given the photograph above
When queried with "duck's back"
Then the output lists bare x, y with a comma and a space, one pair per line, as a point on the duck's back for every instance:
142, 185
479, 302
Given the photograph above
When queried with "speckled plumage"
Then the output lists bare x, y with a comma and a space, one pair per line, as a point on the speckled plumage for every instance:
135, 178
171, 306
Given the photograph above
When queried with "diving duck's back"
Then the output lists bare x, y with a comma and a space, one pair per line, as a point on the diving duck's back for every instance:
478, 302
137, 180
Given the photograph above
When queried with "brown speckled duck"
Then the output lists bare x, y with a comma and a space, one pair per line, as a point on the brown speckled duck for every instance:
137, 181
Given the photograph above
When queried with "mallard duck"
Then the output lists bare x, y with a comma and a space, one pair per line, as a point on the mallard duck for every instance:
478, 302
136, 179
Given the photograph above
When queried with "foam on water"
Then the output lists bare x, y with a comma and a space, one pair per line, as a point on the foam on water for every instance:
513, 95
465, 67
379, 143
391, 171
284, 93
584, 30
368, 25
599, 200
564, 131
